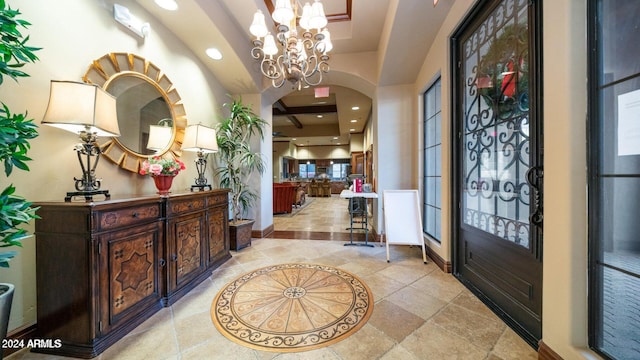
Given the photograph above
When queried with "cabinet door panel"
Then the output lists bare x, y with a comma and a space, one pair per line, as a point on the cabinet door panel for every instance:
132, 273
218, 237
185, 249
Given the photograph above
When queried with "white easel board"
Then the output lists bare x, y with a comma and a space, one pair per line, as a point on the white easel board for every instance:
402, 219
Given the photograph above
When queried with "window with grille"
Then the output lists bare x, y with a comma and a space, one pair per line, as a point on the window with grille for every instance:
432, 149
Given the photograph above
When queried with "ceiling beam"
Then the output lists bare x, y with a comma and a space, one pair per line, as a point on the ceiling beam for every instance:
281, 107
328, 130
304, 110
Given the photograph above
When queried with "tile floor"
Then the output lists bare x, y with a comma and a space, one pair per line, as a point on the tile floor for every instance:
420, 312
319, 214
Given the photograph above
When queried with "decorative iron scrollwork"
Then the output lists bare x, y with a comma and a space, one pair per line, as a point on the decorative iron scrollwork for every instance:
496, 137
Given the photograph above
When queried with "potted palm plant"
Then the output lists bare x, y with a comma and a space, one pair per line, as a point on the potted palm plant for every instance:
15, 132
237, 164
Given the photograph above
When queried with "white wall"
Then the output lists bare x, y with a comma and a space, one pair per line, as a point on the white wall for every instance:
281, 149
356, 142
323, 152
437, 64
72, 34
395, 142
564, 305
262, 212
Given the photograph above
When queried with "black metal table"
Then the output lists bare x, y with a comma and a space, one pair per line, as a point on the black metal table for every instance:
358, 208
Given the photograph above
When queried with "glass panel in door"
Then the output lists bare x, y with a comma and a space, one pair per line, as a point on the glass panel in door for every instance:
495, 133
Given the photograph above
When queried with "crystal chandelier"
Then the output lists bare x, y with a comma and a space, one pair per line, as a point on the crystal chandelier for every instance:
303, 59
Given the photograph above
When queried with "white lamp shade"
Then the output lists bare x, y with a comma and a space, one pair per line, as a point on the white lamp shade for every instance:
328, 45
306, 16
258, 28
76, 107
159, 137
270, 47
200, 138
283, 12
317, 20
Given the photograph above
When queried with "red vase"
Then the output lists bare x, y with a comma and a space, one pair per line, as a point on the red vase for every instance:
163, 183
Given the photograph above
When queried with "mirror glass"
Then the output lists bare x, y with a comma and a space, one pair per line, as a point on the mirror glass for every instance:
147, 104
139, 105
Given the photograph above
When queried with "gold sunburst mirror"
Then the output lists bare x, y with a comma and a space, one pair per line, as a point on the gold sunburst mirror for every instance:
145, 97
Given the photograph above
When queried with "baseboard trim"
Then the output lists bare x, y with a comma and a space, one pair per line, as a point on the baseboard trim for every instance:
259, 234
444, 265
546, 353
24, 333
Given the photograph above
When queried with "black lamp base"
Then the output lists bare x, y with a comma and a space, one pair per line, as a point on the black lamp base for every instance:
201, 187
88, 185
88, 195
201, 181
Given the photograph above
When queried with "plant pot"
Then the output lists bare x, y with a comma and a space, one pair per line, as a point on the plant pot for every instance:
240, 234
6, 298
163, 183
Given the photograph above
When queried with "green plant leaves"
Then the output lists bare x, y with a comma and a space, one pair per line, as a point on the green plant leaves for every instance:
15, 133
238, 162
14, 212
13, 47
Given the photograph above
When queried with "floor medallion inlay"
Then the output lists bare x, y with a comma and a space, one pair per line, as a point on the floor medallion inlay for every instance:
292, 307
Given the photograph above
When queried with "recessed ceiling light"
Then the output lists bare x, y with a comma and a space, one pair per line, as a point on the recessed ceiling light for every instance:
355, 108
335, 138
319, 116
214, 53
294, 139
354, 120
352, 129
167, 4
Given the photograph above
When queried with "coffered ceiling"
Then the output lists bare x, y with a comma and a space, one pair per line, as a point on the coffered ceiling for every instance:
400, 32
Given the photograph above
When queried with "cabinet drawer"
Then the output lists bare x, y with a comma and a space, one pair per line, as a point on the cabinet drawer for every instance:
177, 207
128, 216
217, 199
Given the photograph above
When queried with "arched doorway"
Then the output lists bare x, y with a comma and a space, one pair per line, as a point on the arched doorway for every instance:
321, 126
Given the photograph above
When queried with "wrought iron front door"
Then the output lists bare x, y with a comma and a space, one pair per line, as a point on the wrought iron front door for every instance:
498, 175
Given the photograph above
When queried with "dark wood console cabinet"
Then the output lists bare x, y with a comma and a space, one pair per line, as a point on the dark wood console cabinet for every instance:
102, 268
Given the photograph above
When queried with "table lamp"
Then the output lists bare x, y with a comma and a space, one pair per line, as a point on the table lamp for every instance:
201, 139
90, 112
159, 137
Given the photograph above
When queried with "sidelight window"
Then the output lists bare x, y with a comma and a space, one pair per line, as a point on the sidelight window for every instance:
614, 188
432, 178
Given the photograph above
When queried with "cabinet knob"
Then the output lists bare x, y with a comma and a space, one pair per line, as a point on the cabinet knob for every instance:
174, 257
163, 262
135, 215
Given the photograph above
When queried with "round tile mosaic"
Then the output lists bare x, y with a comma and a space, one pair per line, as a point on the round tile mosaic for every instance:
292, 307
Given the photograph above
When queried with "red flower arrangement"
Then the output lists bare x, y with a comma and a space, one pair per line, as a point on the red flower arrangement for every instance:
157, 165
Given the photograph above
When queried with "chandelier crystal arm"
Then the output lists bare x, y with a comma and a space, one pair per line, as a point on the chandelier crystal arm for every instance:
287, 57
